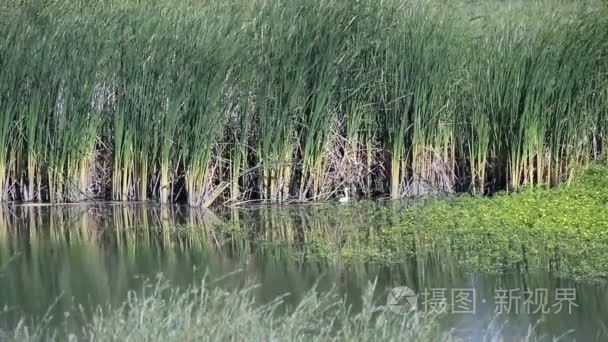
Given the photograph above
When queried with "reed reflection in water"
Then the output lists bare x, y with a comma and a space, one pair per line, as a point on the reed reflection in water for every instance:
66, 256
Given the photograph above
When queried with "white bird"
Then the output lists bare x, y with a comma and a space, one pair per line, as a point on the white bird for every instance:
345, 198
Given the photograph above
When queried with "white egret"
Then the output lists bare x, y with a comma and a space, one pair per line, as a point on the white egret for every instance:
345, 198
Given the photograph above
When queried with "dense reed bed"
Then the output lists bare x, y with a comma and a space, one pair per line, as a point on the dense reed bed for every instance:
280, 100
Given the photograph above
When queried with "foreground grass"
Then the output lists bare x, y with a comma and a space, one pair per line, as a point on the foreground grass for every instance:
198, 313
563, 229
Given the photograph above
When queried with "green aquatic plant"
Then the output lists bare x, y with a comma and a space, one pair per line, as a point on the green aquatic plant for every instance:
537, 228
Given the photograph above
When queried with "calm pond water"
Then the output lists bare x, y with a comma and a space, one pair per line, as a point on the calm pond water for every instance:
91, 255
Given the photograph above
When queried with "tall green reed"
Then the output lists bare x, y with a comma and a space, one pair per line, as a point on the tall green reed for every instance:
270, 100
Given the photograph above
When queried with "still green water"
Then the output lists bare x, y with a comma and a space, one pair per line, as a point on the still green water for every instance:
64, 259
